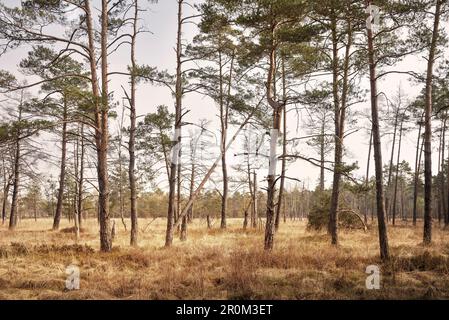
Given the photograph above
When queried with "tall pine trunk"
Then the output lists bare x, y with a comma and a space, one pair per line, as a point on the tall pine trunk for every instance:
132, 133
383, 236
177, 135
339, 121
60, 200
367, 177
280, 204
397, 172
427, 235
101, 120
81, 178
16, 172
416, 175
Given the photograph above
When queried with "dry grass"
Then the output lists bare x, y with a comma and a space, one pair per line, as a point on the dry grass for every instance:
215, 264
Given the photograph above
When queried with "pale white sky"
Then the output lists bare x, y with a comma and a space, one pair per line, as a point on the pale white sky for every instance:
157, 49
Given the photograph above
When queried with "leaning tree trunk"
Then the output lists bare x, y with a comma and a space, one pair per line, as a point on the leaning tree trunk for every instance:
383, 236
427, 236
59, 203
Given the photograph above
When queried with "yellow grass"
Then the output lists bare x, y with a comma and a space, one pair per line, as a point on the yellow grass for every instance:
215, 264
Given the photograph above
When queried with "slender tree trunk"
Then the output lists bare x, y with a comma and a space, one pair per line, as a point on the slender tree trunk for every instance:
132, 134
284, 150
390, 167
177, 137
322, 155
333, 214
416, 175
102, 148
224, 129
439, 174
60, 200
76, 147
81, 178
251, 192
340, 115
178, 191
271, 178
442, 181
427, 236
15, 190
191, 189
397, 171
5, 200
383, 236
367, 176
101, 122
255, 202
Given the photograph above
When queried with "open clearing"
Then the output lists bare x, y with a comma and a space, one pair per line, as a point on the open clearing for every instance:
215, 264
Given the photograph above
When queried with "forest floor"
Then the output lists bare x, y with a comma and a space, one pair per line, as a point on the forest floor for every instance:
216, 264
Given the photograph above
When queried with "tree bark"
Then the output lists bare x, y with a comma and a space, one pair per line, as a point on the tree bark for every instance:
367, 176
60, 200
339, 121
427, 235
383, 236
224, 128
284, 149
101, 120
255, 211
397, 171
5, 200
271, 178
132, 134
15, 190
81, 178
390, 167
417, 167
177, 136
442, 183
